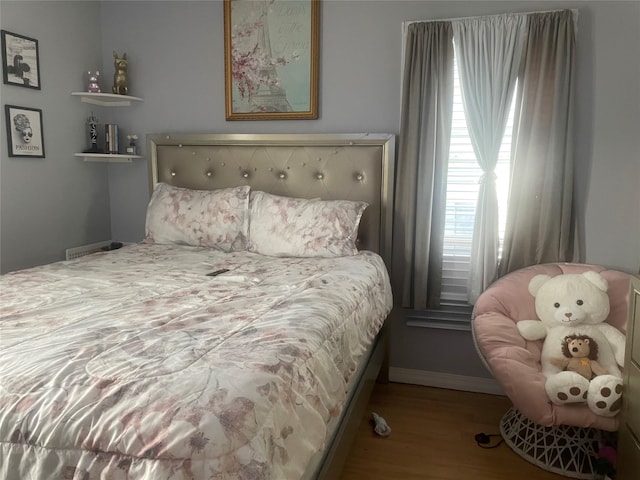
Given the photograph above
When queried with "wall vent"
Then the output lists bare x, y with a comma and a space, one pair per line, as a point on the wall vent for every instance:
77, 252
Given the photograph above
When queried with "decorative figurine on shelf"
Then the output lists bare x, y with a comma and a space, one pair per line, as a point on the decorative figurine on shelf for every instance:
132, 148
93, 134
120, 77
93, 86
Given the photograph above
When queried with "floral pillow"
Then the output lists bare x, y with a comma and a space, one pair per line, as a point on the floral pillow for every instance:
204, 218
296, 227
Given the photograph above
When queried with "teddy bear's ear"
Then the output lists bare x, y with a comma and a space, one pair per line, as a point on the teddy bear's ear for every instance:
586, 340
598, 280
536, 282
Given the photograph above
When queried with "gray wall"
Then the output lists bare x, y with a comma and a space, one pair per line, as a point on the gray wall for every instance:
176, 58
613, 202
47, 205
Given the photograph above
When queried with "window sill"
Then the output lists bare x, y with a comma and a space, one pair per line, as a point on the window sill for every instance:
446, 318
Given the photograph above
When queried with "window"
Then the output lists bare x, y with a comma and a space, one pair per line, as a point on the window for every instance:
422, 210
462, 193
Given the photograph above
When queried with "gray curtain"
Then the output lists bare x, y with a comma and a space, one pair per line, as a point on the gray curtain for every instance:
423, 151
541, 218
489, 51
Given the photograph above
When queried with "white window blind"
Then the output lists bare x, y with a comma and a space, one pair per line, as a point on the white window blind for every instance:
462, 194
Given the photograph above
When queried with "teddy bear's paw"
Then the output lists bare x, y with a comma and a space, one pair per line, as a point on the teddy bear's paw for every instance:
567, 387
605, 395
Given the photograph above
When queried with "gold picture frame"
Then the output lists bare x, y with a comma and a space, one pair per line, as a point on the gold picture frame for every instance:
271, 59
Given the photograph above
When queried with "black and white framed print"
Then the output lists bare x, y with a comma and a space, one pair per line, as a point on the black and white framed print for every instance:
20, 60
24, 131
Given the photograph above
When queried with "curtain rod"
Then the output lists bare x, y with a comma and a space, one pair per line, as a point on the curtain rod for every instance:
409, 22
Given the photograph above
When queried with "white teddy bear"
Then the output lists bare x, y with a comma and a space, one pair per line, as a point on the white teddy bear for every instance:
576, 304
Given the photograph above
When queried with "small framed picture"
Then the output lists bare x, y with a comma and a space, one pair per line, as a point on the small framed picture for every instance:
24, 131
20, 60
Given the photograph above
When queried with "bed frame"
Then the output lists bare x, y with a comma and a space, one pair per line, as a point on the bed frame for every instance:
327, 166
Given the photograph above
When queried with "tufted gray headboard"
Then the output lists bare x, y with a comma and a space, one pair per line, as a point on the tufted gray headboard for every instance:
327, 166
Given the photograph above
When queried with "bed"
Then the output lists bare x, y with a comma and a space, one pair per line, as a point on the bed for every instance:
249, 352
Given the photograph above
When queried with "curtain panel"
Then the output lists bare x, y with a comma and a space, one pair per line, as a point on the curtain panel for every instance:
423, 151
542, 223
488, 52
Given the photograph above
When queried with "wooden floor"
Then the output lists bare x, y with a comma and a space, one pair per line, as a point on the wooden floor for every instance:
433, 437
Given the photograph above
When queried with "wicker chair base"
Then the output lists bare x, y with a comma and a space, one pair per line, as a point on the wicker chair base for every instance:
560, 449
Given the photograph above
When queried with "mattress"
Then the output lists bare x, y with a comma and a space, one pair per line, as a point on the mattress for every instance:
138, 364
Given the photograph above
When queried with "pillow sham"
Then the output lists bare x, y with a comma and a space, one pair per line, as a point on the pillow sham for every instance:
203, 218
297, 227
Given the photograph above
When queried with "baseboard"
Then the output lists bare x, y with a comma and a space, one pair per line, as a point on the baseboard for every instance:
445, 380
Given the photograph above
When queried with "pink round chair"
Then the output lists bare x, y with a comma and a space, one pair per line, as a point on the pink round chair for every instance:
557, 438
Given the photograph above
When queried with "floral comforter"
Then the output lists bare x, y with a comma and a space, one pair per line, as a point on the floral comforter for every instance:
135, 364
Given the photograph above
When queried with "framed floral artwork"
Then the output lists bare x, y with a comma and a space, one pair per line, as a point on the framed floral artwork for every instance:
271, 59
24, 131
20, 60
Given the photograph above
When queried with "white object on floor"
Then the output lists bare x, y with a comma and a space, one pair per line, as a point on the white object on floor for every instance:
380, 425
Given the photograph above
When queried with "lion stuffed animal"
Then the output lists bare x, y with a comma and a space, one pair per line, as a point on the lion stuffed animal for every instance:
580, 356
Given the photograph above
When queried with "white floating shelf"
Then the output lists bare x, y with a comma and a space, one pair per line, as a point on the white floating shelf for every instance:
107, 157
107, 99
